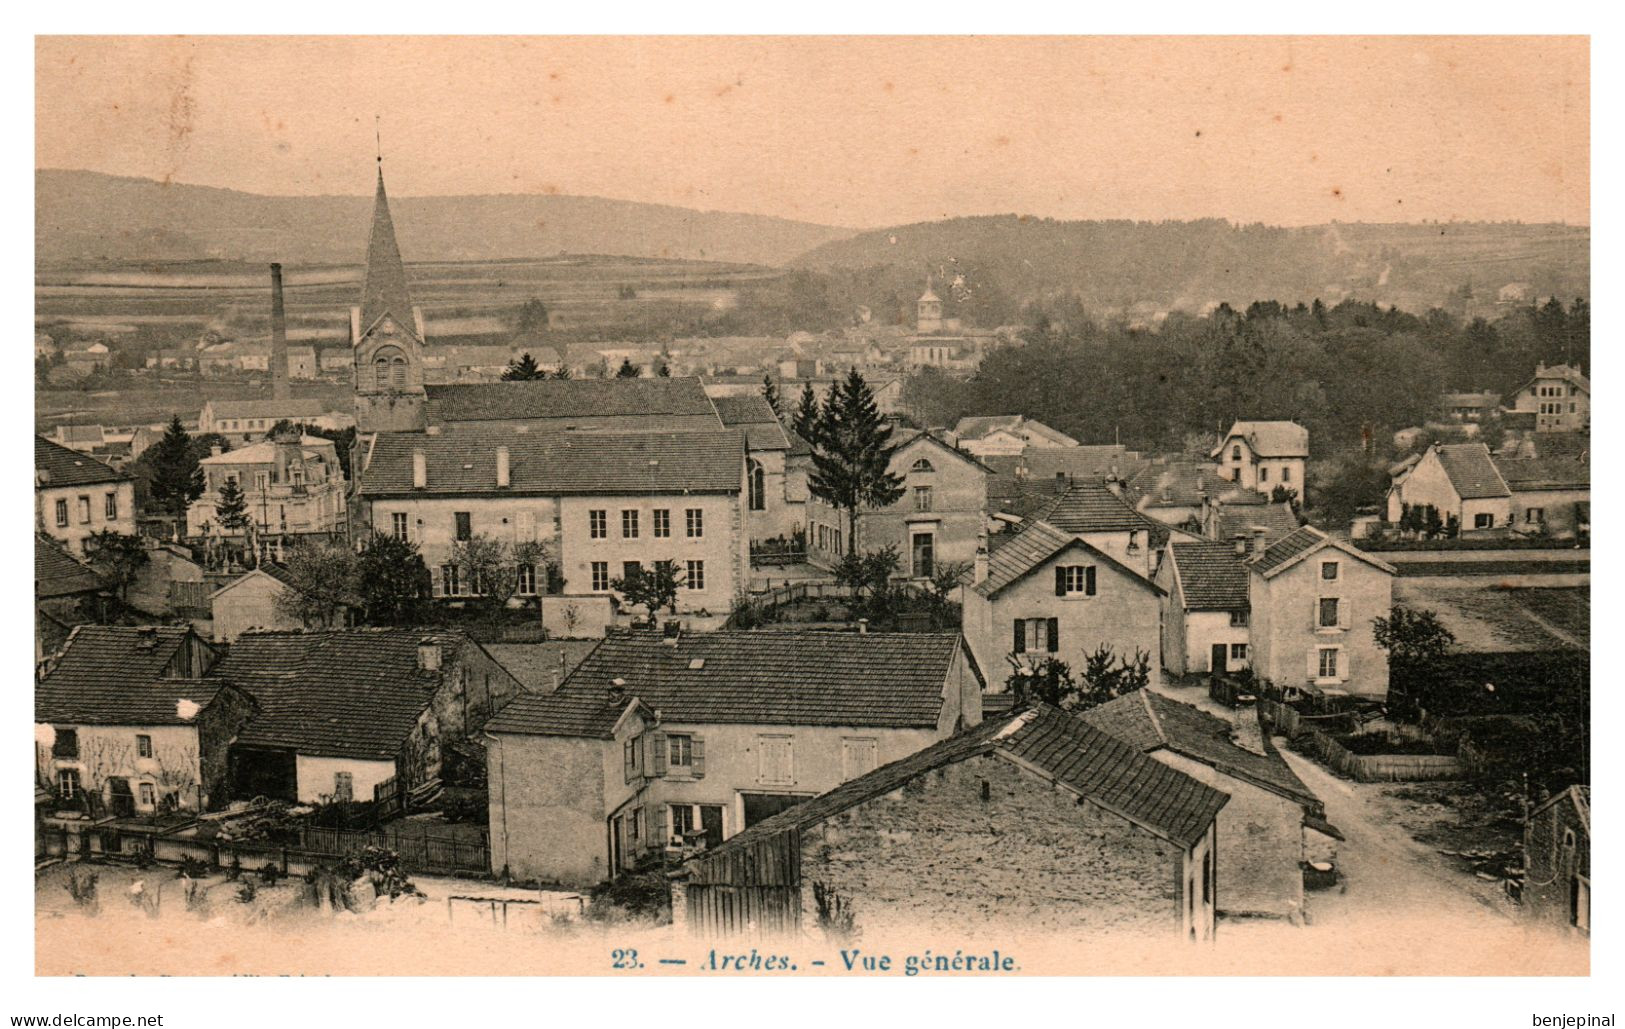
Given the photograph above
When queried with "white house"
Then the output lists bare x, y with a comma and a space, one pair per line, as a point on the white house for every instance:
1264, 455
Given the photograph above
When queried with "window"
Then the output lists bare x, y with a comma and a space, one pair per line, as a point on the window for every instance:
662, 523
775, 760
1534, 515
682, 821
679, 751
1286, 473
526, 574
1238, 651
61, 513
922, 498
1328, 571
695, 523
84, 510
922, 465
148, 795
1037, 634
1235, 452
448, 581
695, 575
631, 569
1074, 579
858, 757
143, 745
66, 743
1483, 520
598, 524
465, 525
1328, 613
924, 551
1238, 618
629, 525
600, 576
343, 787
758, 487
632, 757
67, 783
1264, 474
1328, 662
110, 507
397, 525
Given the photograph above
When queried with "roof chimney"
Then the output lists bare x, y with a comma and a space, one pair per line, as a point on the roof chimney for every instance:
215, 450
502, 467
279, 338
863, 626
981, 561
420, 469
1258, 540
617, 689
1240, 540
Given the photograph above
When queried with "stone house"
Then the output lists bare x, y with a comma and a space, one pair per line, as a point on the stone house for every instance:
1311, 600
776, 484
1204, 607
1098, 513
1559, 397
1048, 593
937, 521
249, 603
1549, 495
343, 711
1273, 822
651, 747
1557, 859
1264, 455
76, 496
1459, 480
290, 484
131, 717
1037, 823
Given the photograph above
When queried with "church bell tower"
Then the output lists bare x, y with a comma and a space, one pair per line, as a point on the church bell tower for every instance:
386, 333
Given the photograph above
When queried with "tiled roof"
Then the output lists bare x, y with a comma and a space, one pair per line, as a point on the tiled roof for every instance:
268, 407
929, 437
1573, 446
1270, 439
113, 675
1286, 548
58, 573
1211, 575
353, 693
56, 465
568, 398
1147, 720
1059, 745
541, 667
463, 459
1091, 507
755, 418
1471, 471
1029, 549
882, 680
1180, 484
1534, 473
1080, 463
977, 426
1277, 520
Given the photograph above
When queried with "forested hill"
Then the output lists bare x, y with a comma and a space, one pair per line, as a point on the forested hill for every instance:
1185, 265
86, 216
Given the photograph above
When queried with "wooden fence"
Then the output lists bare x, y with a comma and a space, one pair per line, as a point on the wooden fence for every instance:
417, 851
1383, 767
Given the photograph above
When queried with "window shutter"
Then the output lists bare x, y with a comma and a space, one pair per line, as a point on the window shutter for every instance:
657, 756
1345, 665
1054, 628
1060, 581
1314, 612
661, 834
1021, 636
1089, 584
1343, 618
1314, 664
697, 757
626, 758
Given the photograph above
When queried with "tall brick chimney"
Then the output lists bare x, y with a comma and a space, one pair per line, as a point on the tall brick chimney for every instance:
279, 338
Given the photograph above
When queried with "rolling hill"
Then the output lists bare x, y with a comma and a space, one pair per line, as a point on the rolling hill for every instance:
85, 216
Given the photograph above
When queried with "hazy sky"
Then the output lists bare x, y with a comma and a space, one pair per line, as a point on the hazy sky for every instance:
855, 132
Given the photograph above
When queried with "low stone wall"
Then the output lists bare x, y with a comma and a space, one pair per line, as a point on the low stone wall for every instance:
1383, 767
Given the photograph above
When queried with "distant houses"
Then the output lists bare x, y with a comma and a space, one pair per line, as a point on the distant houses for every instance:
76, 496
1474, 492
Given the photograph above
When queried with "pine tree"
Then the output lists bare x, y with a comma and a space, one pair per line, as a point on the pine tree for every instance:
770, 393
523, 370
852, 454
176, 478
664, 370
232, 507
627, 370
805, 420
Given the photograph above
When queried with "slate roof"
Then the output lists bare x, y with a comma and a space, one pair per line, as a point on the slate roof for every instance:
56, 465
463, 459
352, 693
568, 398
1472, 471
1211, 575
881, 680
1057, 744
268, 407
58, 573
1148, 721
1269, 439
384, 291
113, 675
1029, 549
1180, 484
1535, 473
753, 416
538, 666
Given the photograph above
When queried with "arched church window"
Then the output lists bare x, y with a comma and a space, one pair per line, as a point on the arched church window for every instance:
389, 368
758, 487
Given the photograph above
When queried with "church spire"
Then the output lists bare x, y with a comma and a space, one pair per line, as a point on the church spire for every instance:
385, 289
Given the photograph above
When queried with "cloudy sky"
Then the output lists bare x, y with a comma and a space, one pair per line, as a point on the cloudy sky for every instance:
852, 132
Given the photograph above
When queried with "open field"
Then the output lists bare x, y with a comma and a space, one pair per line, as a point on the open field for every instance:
148, 401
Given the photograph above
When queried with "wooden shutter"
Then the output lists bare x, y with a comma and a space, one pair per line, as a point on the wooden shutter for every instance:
1345, 665
1054, 631
697, 757
661, 833
657, 754
1343, 617
1021, 636
1060, 581
1089, 584
1314, 612
1314, 663
626, 758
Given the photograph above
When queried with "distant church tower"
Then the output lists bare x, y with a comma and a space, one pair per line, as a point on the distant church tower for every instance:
387, 334
928, 311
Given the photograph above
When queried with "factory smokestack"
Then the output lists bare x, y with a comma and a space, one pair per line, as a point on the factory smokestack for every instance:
279, 338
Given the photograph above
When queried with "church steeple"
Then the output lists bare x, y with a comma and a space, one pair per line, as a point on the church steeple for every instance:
385, 289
